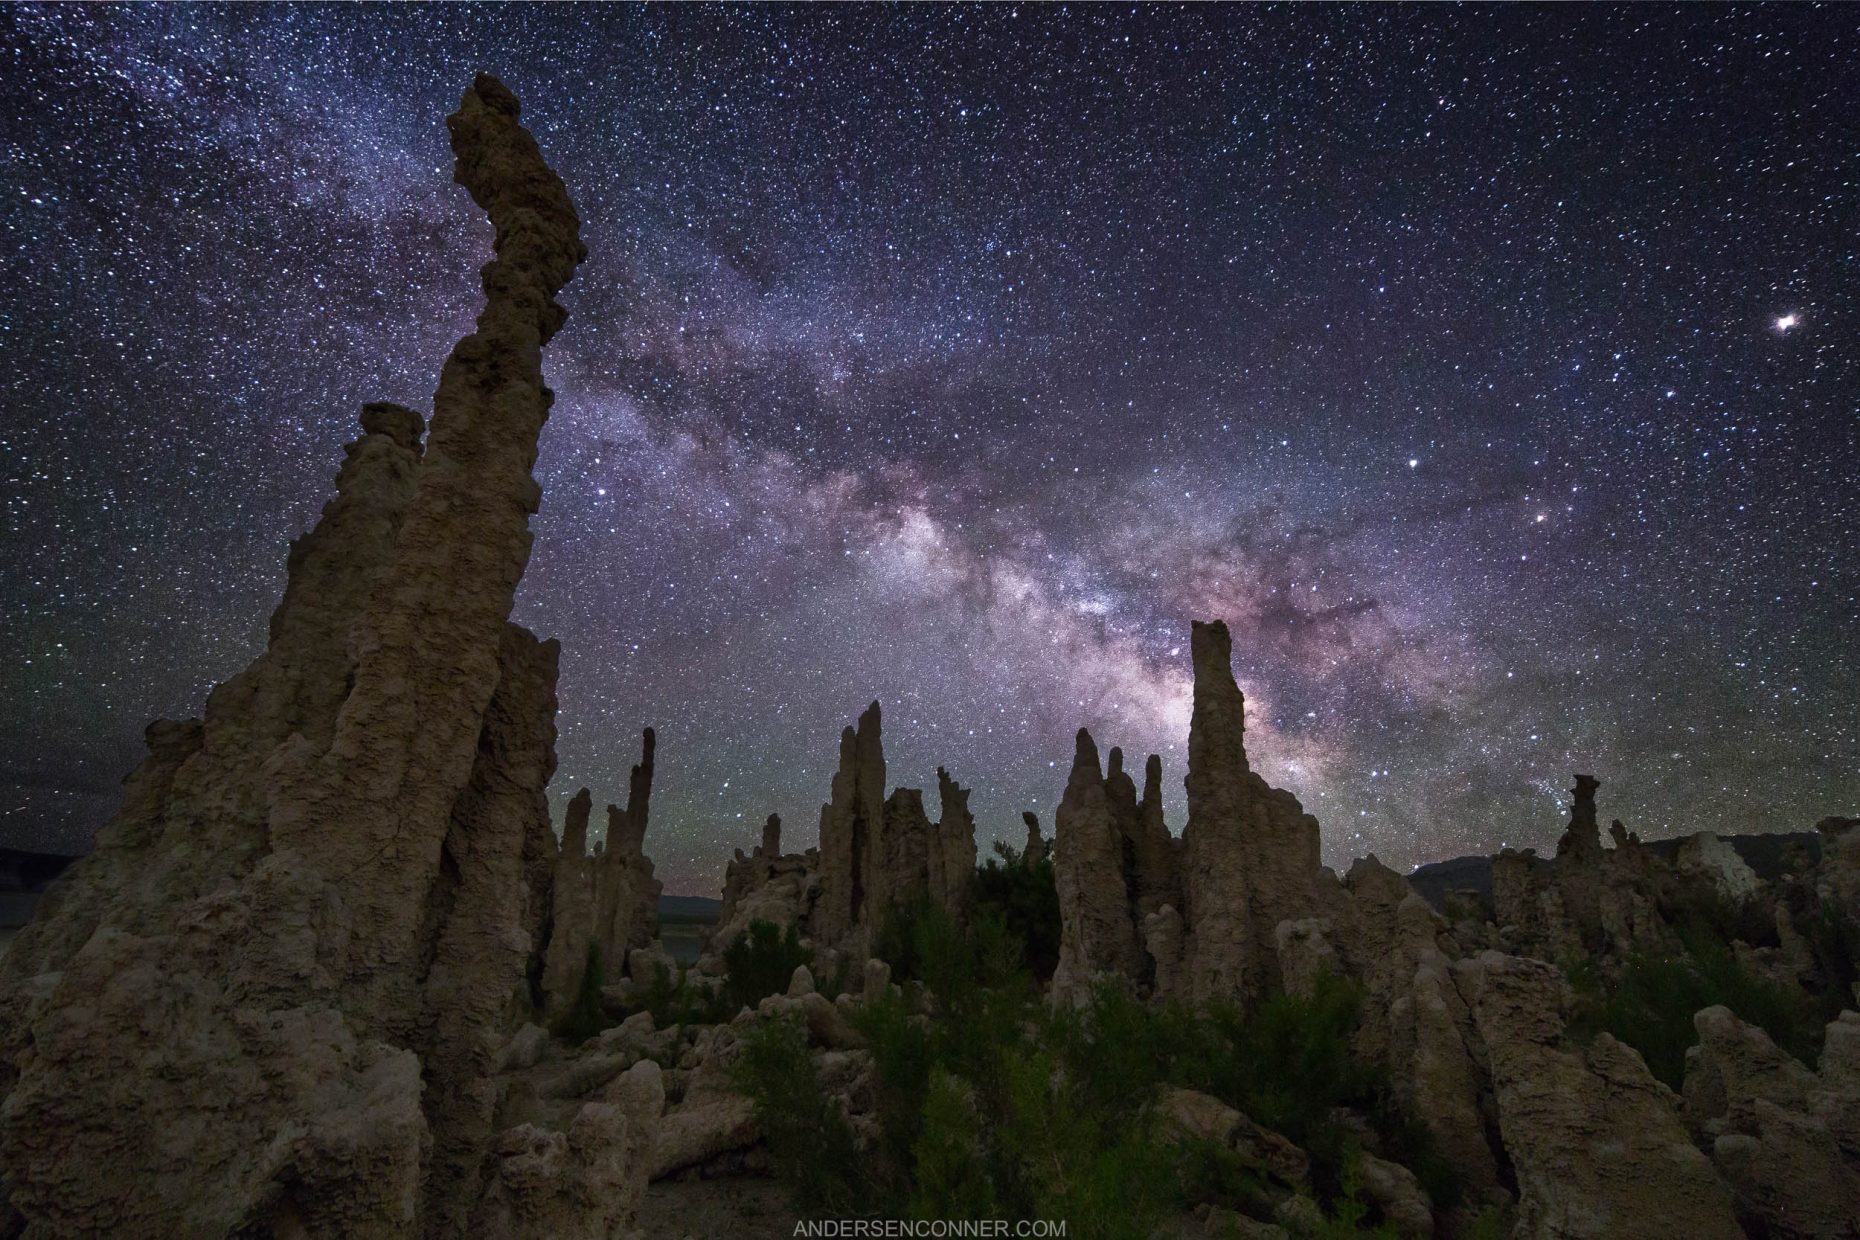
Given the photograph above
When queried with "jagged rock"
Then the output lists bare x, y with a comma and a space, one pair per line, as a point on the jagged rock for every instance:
1034, 851
606, 900
765, 886
1097, 935
852, 824
525, 1049
877, 978
877, 851
1786, 1139
572, 897
582, 1182
1196, 1115
1305, 954
700, 1129
951, 846
1591, 899
827, 1024
1595, 1140
1249, 852
273, 998
1397, 1194
1415, 1017
1716, 862
1162, 939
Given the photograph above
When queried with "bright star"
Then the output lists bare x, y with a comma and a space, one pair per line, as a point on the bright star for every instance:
1785, 322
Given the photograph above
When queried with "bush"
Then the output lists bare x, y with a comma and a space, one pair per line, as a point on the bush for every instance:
811, 1145
760, 963
950, 1169
1651, 1005
994, 1104
1026, 898
586, 1015
677, 1001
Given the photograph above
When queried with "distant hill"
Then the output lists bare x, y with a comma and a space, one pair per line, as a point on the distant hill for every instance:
1766, 854
690, 908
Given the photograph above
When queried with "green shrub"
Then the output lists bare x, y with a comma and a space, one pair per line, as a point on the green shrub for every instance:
951, 1170
760, 963
679, 1001
1026, 898
1651, 1005
811, 1144
992, 1103
585, 1016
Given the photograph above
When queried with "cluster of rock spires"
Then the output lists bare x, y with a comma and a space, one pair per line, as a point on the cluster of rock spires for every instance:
287, 992
876, 851
605, 903
1471, 1017
1194, 917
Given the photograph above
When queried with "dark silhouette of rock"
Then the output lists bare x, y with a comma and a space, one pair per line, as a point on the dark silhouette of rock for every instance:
606, 899
273, 998
1249, 851
877, 851
1034, 850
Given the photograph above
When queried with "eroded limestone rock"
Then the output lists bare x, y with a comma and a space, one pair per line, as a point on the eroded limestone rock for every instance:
273, 999
1595, 1140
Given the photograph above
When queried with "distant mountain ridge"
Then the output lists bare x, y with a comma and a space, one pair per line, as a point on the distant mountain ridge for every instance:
1765, 854
689, 908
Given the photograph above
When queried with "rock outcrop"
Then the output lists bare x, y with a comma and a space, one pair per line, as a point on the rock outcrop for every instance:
1097, 901
1786, 1139
877, 851
767, 885
607, 900
852, 826
1595, 1141
273, 999
1249, 852
1034, 850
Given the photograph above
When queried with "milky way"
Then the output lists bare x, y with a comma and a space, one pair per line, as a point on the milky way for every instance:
957, 358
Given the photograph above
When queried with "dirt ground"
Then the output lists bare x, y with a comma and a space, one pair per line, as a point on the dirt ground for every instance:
749, 1207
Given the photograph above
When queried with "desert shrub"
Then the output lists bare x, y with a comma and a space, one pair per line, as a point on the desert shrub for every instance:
1703, 916
991, 1103
811, 1144
950, 1165
1348, 1215
1210, 1171
1834, 941
1067, 1160
1651, 1004
760, 963
585, 1015
1026, 898
676, 1000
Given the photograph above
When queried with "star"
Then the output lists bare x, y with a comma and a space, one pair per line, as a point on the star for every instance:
861, 397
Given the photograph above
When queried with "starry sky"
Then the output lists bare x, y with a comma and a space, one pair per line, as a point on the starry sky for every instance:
1492, 372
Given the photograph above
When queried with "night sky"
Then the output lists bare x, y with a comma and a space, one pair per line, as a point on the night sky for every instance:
1492, 372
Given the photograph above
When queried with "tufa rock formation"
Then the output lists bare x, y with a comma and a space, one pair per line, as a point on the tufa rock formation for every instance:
1195, 918
1115, 868
272, 1000
1034, 851
1249, 851
607, 901
1595, 1141
877, 851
